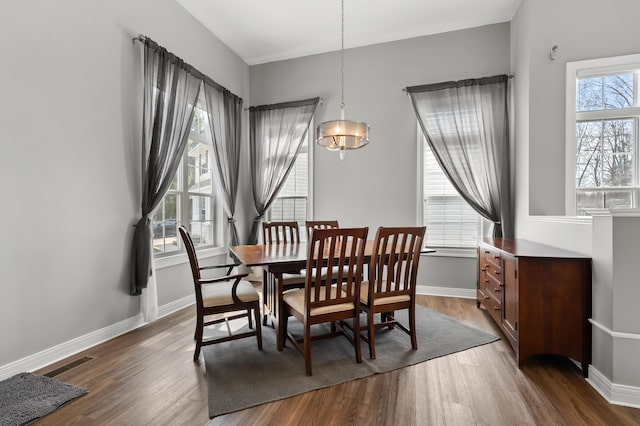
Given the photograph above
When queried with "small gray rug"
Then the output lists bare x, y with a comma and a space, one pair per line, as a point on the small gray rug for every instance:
26, 397
240, 376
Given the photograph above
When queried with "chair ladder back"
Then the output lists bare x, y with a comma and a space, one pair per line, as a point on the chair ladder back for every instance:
280, 232
319, 224
343, 247
394, 264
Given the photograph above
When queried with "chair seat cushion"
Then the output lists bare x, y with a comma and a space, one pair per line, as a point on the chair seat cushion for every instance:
296, 300
364, 295
291, 279
219, 294
302, 276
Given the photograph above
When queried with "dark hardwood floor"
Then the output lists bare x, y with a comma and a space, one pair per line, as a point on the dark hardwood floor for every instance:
147, 377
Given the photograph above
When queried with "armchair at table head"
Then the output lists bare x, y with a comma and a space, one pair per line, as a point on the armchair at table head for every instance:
220, 295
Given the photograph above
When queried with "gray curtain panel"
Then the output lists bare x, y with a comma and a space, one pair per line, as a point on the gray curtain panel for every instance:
170, 94
466, 125
225, 111
276, 135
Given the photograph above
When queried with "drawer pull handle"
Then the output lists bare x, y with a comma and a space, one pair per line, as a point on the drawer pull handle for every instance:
497, 272
486, 298
486, 280
497, 308
496, 289
483, 269
495, 256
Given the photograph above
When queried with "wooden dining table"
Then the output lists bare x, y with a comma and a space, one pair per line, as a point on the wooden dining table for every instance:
276, 260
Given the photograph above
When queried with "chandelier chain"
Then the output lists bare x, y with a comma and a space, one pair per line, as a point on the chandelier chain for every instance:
342, 59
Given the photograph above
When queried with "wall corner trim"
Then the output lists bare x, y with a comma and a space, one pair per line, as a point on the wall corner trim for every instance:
628, 396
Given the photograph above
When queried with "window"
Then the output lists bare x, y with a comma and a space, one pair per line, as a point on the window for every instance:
602, 134
191, 199
450, 221
293, 202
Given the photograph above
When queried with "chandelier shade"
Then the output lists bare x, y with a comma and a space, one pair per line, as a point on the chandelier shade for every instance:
342, 134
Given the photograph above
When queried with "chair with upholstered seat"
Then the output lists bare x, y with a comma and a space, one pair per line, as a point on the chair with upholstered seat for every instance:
391, 284
319, 302
221, 295
283, 232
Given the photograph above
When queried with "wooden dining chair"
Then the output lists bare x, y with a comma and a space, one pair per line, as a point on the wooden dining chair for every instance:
319, 224
319, 302
280, 232
391, 284
220, 295
285, 232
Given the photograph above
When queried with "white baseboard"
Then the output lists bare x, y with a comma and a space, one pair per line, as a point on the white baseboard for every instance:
614, 393
66, 349
71, 347
176, 305
464, 293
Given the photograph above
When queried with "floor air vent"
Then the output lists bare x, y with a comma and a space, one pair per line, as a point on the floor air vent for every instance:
69, 366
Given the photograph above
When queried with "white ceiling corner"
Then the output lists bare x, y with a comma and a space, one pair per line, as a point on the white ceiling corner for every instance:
262, 31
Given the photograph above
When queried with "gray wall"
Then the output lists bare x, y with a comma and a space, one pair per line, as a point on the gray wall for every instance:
582, 29
70, 130
377, 185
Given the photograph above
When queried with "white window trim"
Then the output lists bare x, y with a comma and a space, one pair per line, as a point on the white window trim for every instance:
172, 258
573, 71
182, 258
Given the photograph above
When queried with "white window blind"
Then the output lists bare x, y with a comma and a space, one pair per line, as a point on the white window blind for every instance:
292, 201
450, 221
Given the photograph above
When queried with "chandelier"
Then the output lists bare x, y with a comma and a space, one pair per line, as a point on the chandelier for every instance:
341, 135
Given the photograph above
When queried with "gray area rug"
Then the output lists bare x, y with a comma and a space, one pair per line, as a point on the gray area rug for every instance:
26, 397
240, 376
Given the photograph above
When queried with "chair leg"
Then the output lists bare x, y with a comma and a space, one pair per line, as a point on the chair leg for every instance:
256, 311
198, 337
412, 327
307, 349
371, 334
250, 319
356, 337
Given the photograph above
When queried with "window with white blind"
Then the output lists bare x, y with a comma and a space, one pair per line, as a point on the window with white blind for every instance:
450, 221
292, 203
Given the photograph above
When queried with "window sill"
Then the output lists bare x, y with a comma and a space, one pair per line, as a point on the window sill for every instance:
453, 252
181, 258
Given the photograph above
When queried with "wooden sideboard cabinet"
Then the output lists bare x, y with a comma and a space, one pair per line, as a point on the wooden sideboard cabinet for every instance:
540, 296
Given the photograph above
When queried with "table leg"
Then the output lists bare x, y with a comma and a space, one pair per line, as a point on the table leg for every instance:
279, 308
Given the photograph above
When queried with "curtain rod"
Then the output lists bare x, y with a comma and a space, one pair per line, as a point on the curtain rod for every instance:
320, 102
509, 76
192, 70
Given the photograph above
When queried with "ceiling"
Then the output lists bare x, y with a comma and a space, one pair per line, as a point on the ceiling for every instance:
262, 31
